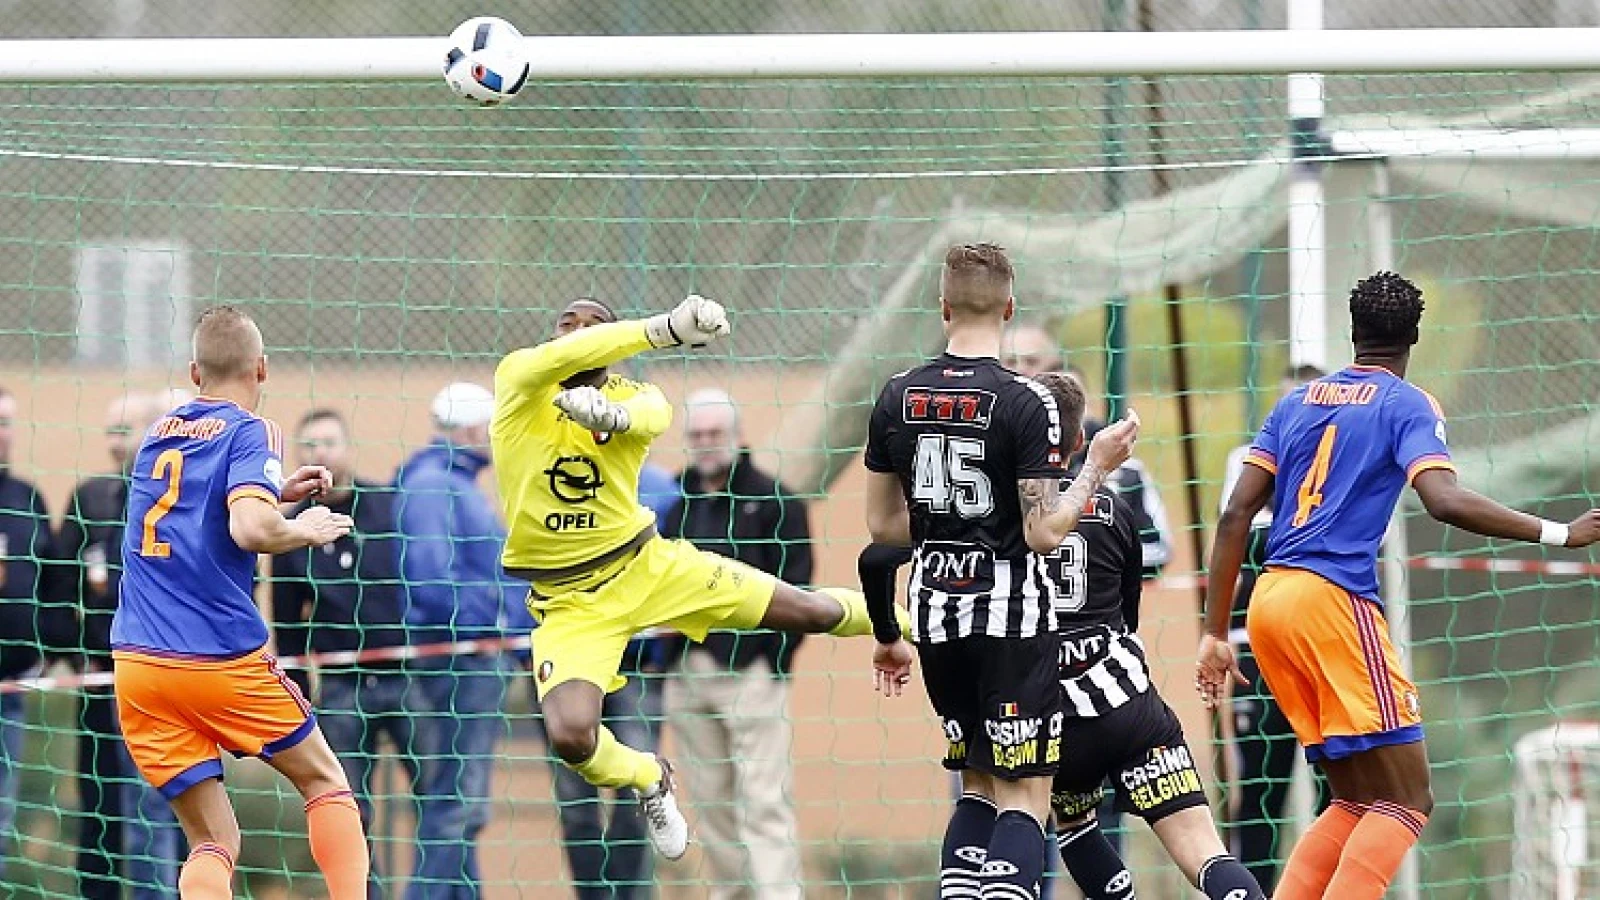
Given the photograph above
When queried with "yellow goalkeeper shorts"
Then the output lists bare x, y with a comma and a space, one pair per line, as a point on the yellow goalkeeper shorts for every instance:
584, 631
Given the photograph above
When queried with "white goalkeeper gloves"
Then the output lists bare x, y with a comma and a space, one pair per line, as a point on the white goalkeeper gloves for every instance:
696, 321
589, 408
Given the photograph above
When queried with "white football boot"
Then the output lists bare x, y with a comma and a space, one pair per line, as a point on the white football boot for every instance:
669, 830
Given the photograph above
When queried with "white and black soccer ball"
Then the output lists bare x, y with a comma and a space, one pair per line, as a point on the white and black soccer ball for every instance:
486, 64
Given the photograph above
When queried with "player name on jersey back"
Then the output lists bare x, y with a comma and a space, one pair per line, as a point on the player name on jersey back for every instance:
959, 433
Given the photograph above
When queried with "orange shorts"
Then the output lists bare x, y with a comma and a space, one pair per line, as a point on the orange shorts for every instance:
1326, 657
178, 715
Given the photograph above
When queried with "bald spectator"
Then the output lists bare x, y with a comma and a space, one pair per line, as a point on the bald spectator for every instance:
730, 706
110, 789
1030, 350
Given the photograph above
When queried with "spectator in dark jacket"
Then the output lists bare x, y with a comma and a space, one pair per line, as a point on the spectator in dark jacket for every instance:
346, 597
451, 537
122, 816
729, 706
35, 614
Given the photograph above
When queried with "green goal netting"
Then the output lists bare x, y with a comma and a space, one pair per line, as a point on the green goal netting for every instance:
390, 241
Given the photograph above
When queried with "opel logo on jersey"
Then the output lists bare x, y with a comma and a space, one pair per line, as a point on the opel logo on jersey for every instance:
574, 479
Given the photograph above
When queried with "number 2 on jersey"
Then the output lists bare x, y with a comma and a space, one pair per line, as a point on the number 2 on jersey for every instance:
169, 465
1310, 495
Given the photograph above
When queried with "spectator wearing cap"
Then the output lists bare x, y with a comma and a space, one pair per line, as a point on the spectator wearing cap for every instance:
345, 597
450, 540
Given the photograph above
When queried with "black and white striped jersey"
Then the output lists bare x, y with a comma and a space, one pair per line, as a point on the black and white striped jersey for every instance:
959, 433
1098, 571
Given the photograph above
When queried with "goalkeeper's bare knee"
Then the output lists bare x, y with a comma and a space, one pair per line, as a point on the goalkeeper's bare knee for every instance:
572, 720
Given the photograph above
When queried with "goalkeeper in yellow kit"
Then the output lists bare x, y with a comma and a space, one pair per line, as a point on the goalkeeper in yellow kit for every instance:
569, 439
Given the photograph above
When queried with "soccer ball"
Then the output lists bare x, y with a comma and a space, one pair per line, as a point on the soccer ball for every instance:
485, 63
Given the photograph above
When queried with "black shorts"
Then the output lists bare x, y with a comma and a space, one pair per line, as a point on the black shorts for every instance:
1001, 702
1140, 747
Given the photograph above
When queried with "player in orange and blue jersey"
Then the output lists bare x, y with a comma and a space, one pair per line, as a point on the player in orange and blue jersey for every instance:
192, 673
1333, 457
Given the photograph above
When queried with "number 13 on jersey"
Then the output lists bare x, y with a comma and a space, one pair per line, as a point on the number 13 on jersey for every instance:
1310, 493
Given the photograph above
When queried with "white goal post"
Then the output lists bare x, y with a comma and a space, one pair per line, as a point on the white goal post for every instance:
823, 55
1557, 818
1544, 841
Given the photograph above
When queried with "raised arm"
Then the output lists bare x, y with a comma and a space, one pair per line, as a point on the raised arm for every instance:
534, 368
1048, 513
695, 321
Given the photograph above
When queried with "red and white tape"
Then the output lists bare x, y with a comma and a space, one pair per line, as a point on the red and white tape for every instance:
342, 658
1189, 582
1566, 568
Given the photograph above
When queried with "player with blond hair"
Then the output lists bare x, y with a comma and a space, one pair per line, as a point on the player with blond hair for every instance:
192, 673
568, 440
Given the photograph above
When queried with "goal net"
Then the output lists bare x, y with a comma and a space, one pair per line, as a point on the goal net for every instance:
1558, 771
390, 241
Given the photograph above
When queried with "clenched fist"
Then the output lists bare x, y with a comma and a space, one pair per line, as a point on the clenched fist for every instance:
589, 407
696, 321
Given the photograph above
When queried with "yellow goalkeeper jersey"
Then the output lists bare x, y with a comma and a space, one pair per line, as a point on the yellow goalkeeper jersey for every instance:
570, 494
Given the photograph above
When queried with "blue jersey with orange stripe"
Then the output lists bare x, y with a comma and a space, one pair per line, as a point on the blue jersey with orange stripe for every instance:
187, 587
1342, 449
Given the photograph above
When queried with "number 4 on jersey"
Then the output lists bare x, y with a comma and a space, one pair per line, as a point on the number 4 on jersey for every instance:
1310, 494
942, 476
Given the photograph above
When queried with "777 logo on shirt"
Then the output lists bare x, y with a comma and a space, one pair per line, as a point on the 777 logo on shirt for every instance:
950, 406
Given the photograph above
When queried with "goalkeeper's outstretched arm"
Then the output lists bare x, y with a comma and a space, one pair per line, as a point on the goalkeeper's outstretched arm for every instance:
695, 321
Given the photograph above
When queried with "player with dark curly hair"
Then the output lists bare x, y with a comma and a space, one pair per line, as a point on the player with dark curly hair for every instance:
1333, 457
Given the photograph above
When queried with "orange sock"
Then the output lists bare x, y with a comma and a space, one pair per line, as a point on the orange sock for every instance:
1375, 850
1316, 856
338, 844
207, 874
